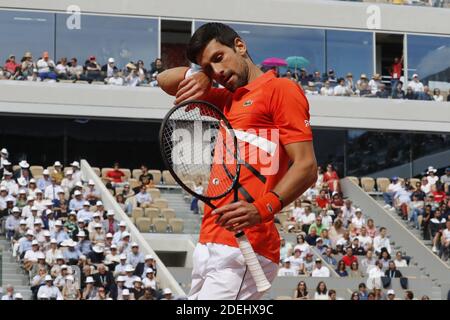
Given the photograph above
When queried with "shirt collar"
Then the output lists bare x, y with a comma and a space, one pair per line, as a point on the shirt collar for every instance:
257, 82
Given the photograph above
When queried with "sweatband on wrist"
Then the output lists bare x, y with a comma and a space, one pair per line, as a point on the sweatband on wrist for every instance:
268, 205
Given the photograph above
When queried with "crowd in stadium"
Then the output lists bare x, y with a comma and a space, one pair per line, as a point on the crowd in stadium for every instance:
65, 240
342, 239
135, 74
428, 3
424, 204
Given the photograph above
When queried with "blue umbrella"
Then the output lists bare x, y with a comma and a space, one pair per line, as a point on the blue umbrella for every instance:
297, 62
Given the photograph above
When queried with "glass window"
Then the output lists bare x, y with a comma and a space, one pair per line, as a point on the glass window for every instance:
282, 42
123, 38
350, 51
22, 31
329, 148
429, 57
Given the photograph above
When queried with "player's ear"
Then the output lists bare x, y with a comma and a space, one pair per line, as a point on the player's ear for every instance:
240, 47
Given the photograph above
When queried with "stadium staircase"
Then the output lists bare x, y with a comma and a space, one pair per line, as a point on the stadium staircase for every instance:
11, 273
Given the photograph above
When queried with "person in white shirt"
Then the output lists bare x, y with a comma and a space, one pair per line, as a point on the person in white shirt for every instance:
118, 235
143, 199
116, 79
45, 181
3, 197
348, 211
9, 293
306, 218
375, 83
392, 188
92, 194
287, 270
321, 291
9, 183
132, 80
285, 249
45, 67
85, 213
381, 241
52, 253
358, 221
432, 178
77, 202
31, 256
51, 192
34, 217
326, 90
68, 182
415, 84
327, 220
150, 280
62, 69
399, 261
296, 259
49, 290
364, 239
320, 270
297, 210
341, 89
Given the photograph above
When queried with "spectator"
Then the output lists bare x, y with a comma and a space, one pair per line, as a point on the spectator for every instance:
306, 219
90, 291
331, 178
341, 269
288, 75
397, 91
381, 241
75, 71
436, 225
27, 67
391, 294
349, 258
301, 293
321, 291
132, 79
146, 178
109, 69
116, 79
394, 187
432, 178
437, 95
62, 69
332, 295
382, 92
354, 270
115, 176
384, 259
399, 261
9, 293
355, 296
312, 236
157, 68
92, 194
409, 295
326, 90
415, 84
93, 70
396, 71
317, 81
445, 179
374, 276
46, 67
285, 249
328, 257
362, 291
320, 270
410, 94
349, 84
425, 95
445, 242
143, 199
448, 95
341, 89
375, 83
331, 77
287, 270
49, 290
365, 90
392, 271
11, 68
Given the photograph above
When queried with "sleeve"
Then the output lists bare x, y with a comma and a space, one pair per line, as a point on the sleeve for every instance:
290, 112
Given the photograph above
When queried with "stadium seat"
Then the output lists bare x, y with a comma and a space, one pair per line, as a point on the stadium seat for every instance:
154, 193
119, 190
134, 183
36, 170
156, 176
127, 173
159, 225
413, 181
51, 169
283, 298
152, 213
168, 179
160, 203
104, 171
176, 225
368, 184
168, 213
382, 184
354, 179
282, 217
136, 173
137, 213
143, 224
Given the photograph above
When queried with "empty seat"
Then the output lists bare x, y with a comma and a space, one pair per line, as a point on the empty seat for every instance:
382, 184
154, 193
136, 173
282, 217
354, 179
368, 184
36, 170
156, 175
168, 179
176, 225
143, 224
151, 213
137, 213
134, 183
159, 225
168, 213
413, 181
51, 169
119, 190
161, 203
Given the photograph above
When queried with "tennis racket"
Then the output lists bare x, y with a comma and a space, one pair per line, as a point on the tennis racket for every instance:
198, 142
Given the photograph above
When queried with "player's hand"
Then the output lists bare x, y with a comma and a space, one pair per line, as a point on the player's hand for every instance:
193, 87
237, 215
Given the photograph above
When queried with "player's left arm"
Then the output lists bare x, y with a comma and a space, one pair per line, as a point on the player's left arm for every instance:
300, 176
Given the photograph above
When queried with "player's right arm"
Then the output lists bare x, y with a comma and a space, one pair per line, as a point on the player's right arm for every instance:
175, 83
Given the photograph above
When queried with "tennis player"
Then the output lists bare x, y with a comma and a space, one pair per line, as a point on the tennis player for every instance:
268, 113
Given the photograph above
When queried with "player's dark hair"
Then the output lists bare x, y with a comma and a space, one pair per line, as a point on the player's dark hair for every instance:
207, 32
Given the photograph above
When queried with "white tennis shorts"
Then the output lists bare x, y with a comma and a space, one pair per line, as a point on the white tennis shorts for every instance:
220, 273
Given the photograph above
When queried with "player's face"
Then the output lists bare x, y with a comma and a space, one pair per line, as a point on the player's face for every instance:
225, 65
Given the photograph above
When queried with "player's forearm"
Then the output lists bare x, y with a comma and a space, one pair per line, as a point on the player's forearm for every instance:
300, 176
170, 79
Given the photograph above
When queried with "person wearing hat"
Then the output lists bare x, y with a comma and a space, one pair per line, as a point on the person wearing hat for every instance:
76, 175
109, 69
84, 244
136, 258
98, 236
58, 173
68, 182
51, 192
52, 253
70, 290
415, 84
60, 279
320, 270
287, 270
150, 281
104, 278
77, 202
90, 291
9, 295
120, 268
358, 220
3, 197
93, 70
137, 291
124, 244
86, 214
126, 295
374, 83
46, 67
129, 276
39, 231
44, 181
132, 78
24, 244
118, 234
92, 194
59, 234
97, 255
10, 202
9, 183
149, 262
390, 294
71, 254
112, 258
110, 225
431, 175
12, 222
60, 206
19, 233
33, 217
31, 256
168, 295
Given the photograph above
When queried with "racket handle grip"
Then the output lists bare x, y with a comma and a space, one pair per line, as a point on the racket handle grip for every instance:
262, 284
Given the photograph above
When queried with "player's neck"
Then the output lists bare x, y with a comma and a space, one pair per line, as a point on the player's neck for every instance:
253, 72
